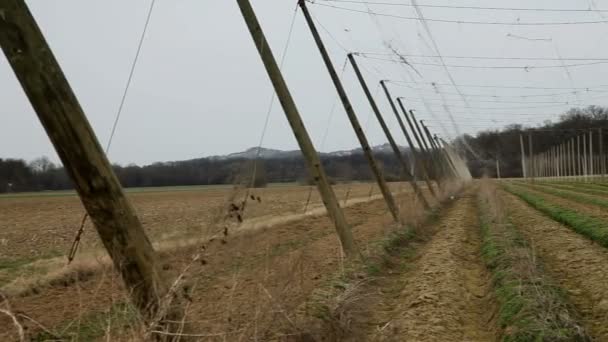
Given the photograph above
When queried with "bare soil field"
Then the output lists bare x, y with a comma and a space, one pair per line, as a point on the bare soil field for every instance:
270, 270
280, 274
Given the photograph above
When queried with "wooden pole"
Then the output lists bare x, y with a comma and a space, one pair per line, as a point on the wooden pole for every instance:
497, 168
591, 169
523, 157
601, 148
417, 157
579, 167
295, 121
447, 157
65, 123
585, 161
352, 117
422, 138
441, 158
532, 164
388, 134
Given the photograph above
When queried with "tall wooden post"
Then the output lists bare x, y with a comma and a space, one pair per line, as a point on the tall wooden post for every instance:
579, 165
418, 136
352, 117
440, 156
387, 133
452, 157
447, 156
417, 157
524, 169
585, 159
591, 164
65, 123
497, 168
295, 121
561, 160
601, 148
532, 164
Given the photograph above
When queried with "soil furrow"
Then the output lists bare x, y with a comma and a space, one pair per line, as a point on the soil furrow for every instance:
443, 293
578, 264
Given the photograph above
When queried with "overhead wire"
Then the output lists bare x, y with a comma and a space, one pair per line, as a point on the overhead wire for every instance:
78, 237
471, 22
469, 7
268, 113
471, 66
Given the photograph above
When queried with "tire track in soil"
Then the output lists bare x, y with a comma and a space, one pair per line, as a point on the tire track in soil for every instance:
444, 292
577, 263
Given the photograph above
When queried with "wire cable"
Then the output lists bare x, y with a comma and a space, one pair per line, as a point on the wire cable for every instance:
78, 237
470, 7
504, 23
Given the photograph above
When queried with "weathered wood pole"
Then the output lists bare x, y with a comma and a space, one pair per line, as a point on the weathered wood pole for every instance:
350, 112
524, 168
419, 139
497, 168
442, 160
387, 133
295, 121
417, 157
579, 164
532, 163
591, 163
447, 156
602, 157
585, 159
65, 123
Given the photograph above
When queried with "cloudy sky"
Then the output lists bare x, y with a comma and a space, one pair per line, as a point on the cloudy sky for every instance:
200, 89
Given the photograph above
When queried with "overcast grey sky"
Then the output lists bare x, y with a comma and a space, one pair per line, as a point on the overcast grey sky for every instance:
200, 89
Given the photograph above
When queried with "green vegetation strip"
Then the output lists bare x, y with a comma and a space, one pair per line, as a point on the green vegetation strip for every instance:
581, 189
531, 307
572, 195
591, 227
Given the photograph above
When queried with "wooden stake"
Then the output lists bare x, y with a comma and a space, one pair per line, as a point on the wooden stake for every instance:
578, 157
295, 121
523, 157
497, 168
387, 133
440, 156
591, 170
601, 148
417, 157
585, 161
352, 117
532, 166
65, 123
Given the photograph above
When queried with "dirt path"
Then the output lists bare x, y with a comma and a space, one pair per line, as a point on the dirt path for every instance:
578, 264
443, 293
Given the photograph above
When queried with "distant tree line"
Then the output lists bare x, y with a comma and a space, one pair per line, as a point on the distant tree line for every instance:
504, 145
17, 175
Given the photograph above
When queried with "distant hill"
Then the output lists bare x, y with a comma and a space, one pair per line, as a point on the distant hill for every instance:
269, 153
276, 166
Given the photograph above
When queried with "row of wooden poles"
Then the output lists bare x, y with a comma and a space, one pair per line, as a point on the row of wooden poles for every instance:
579, 158
121, 232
